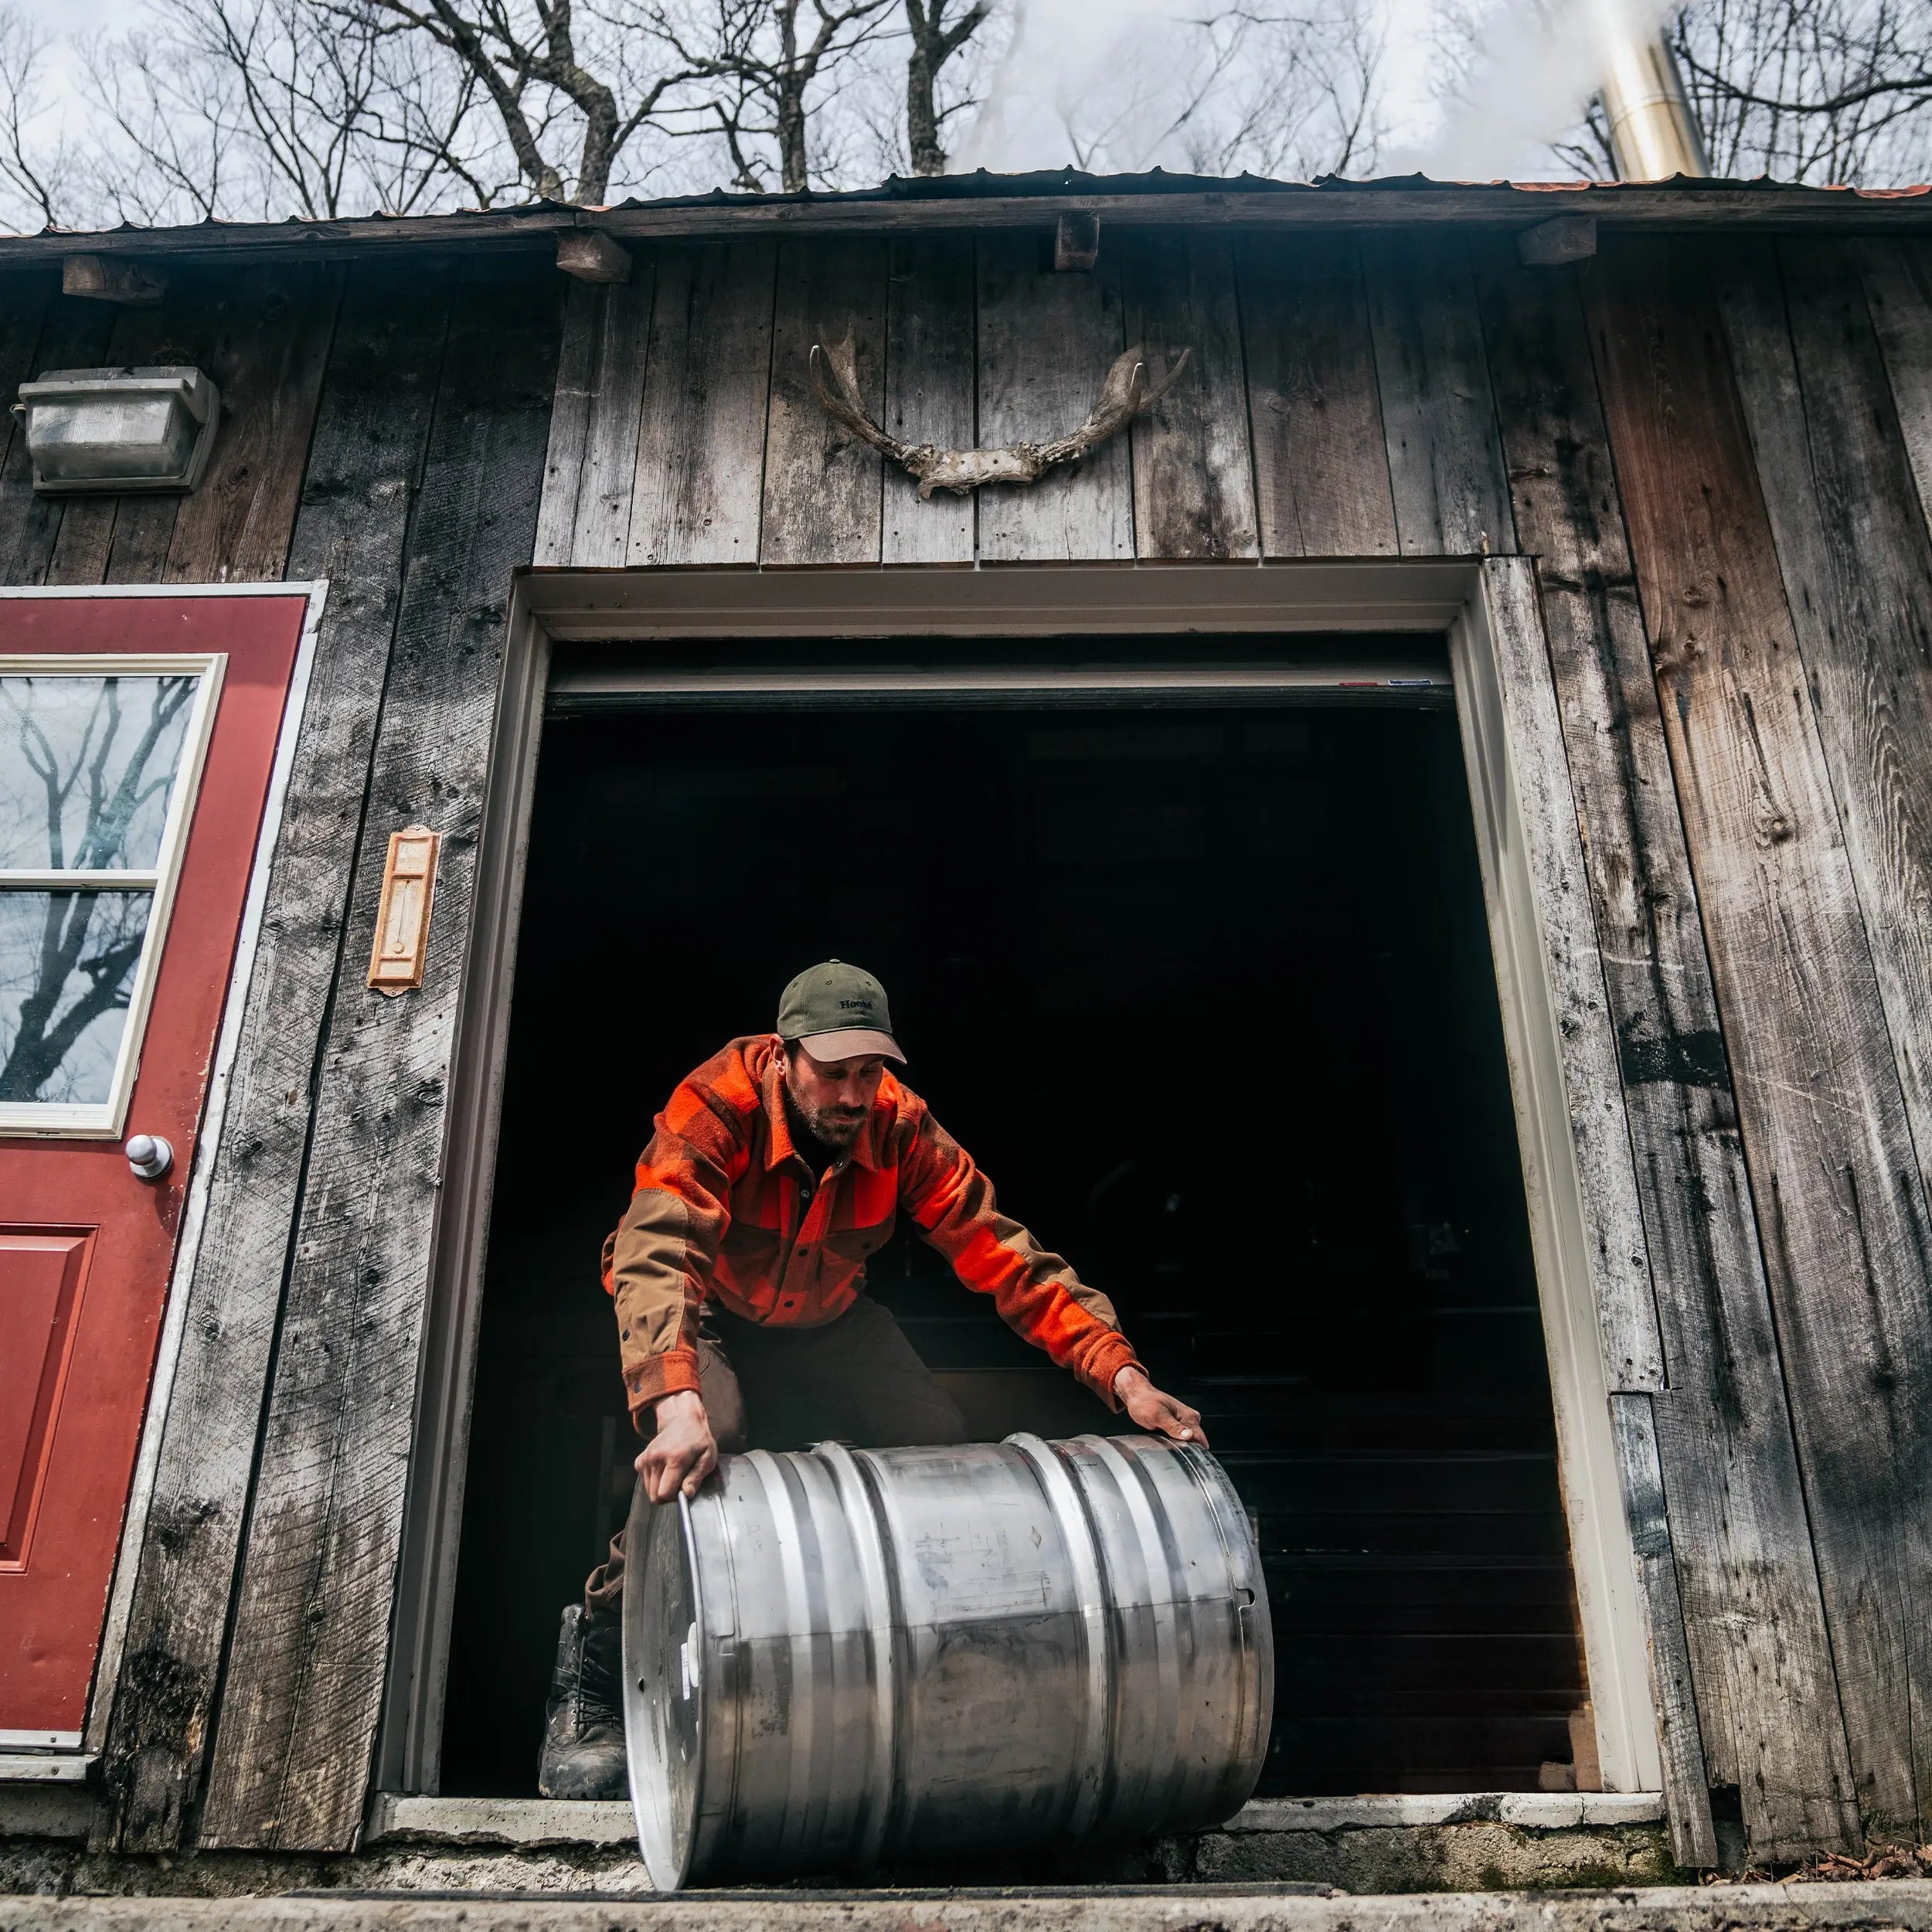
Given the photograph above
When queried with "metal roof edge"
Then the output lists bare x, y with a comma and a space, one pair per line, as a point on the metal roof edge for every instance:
1023, 201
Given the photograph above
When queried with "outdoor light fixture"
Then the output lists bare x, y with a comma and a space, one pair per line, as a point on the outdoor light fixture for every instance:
118, 430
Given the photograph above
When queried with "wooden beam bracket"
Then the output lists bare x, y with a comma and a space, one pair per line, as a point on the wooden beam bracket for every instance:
102, 278
1077, 241
1562, 239
591, 255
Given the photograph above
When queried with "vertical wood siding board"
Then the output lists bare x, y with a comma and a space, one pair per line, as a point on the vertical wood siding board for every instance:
26, 297
1599, 1129
1193, 464
85, 538
929, 392
578, 377
86, 542
1898, 292
1045, 342
1322, 467
1897, 277
610, 456
293, 1748
74, 334
1641, 1473
372, 426
181, 331
83, 549
188, 328
1446, 471
1857, 563
823, 489
268, 361
1820, 1106
1754, 1621
702, 441
982, 512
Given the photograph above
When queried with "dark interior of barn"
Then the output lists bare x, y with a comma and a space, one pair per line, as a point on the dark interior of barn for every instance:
1235, 1051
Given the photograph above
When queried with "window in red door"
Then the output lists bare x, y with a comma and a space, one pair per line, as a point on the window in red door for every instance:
137, 739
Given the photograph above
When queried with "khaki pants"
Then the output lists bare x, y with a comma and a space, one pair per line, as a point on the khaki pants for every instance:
856, 1380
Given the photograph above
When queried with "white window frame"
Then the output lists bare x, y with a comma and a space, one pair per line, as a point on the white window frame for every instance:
102, 1120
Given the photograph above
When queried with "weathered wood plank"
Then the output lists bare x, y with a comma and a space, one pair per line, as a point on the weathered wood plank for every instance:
1445, 458
1641, 1474
1590, 1252
1754, 1622
84, 546
73, 334
183, 331
1599, 1128
292, 1749
1321, 469
1858, 572
928, 391
1898, 294
702, 436
371, 430
579, 377
1840, 1203
266, 353
1046, 342
26, 297
261, 335
609, 469
1857, 565
823, 487
1193, 469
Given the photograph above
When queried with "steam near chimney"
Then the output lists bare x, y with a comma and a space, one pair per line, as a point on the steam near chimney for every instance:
1539, 63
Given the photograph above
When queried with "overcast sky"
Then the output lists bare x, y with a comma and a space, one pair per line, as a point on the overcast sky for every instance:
1483, 146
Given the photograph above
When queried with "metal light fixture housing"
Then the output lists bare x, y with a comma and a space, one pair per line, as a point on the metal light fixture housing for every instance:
119, 430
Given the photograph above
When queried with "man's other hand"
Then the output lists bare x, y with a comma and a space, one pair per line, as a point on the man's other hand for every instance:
1155, 1410
683, 1452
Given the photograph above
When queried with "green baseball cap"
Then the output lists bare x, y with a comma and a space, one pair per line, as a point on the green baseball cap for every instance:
838, 1012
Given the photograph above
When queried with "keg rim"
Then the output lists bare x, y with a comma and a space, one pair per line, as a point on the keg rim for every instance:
664, 1807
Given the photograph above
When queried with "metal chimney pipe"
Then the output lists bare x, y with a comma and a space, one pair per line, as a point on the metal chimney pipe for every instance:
1653, 133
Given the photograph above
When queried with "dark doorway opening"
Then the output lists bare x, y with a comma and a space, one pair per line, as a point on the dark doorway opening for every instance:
1233, 1048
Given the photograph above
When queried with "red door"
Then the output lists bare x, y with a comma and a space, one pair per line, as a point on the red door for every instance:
136, 739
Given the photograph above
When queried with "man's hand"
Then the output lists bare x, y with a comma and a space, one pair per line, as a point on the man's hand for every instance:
683, 1452
1155, 1410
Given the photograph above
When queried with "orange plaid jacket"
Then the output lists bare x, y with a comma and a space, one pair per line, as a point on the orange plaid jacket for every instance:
727, 1206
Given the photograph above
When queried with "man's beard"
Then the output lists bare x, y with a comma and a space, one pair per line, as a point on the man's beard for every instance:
834, 1128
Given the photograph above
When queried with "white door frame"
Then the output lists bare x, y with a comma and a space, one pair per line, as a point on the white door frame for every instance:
1579, 1180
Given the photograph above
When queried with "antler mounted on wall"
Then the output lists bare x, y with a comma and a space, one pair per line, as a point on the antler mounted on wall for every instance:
1125, 394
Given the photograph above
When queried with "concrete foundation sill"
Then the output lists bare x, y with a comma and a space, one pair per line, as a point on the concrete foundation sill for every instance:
545, 1822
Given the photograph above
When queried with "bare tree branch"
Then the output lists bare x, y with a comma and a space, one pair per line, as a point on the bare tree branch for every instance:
767, 59
933, 43
35, 172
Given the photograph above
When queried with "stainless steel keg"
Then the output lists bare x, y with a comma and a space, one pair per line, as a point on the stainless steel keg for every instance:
843, 1656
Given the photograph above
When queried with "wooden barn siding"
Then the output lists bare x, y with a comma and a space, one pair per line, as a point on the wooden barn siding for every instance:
1778, 841
304, 1677
1857, 564
384, 428
1752, 1620
360, 483
1428, 395
1350, 399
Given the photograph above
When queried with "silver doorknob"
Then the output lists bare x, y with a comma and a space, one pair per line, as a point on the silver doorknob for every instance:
149, 1155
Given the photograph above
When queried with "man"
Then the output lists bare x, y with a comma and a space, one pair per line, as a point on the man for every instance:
738, 1274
